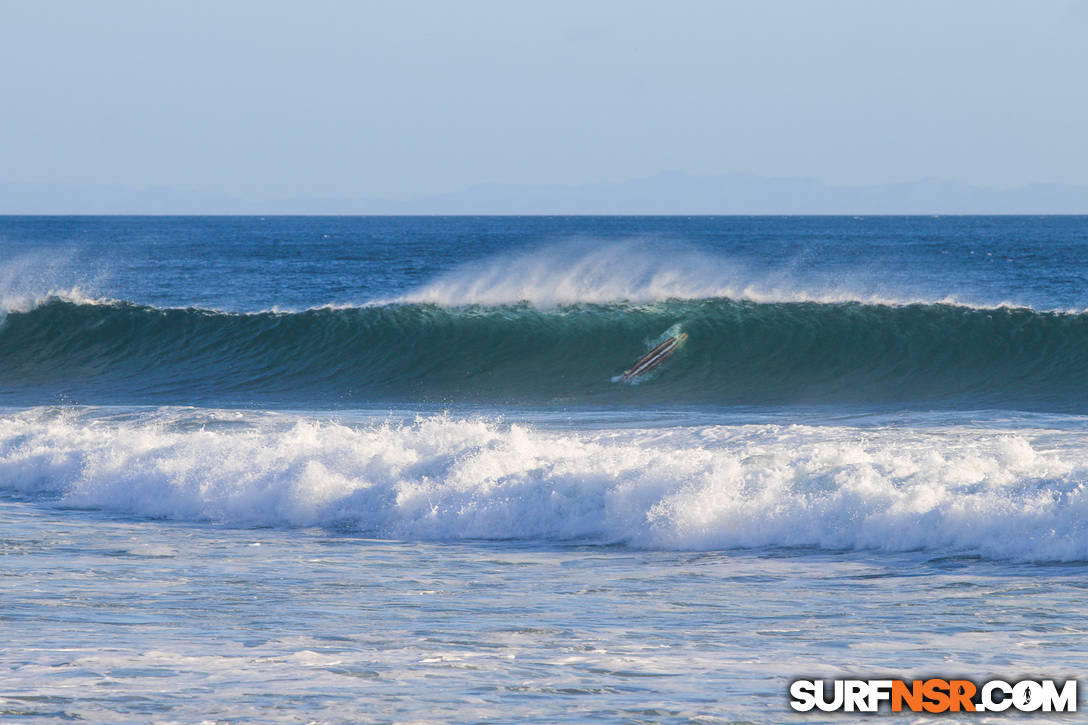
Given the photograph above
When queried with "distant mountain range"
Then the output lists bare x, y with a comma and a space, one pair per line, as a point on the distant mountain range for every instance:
664, 193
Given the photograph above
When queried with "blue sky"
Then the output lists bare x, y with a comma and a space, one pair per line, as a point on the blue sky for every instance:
263, 100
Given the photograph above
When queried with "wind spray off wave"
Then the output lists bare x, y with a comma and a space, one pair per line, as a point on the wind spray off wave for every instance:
641, 271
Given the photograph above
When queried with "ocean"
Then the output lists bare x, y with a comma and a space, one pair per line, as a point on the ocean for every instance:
387, 469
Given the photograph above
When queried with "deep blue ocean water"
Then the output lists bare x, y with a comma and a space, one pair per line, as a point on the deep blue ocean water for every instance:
294, 469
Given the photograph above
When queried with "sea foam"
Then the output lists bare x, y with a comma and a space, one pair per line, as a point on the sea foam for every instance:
998, 493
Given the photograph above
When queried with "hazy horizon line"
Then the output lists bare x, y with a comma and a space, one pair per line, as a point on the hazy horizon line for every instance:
666, 193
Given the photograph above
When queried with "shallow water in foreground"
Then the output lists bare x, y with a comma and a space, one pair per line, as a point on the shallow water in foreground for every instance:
124, 620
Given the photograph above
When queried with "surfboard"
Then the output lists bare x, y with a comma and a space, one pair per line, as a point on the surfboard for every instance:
654, 357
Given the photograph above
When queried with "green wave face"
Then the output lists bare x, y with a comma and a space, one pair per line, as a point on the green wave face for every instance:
737, 353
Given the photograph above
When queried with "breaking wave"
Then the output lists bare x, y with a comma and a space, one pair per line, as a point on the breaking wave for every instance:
738, 353
1016, 494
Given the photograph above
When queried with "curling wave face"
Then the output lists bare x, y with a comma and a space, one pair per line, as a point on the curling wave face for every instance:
737, 353
1013, 493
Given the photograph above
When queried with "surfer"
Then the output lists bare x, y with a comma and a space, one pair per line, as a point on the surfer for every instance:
654, 357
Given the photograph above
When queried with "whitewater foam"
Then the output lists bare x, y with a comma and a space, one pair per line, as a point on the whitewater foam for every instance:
1000, 493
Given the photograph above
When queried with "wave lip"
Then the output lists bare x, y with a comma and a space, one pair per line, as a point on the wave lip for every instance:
1011, 494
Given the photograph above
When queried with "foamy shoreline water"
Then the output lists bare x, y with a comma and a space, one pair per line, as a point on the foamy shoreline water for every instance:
109, 618
1002, 492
